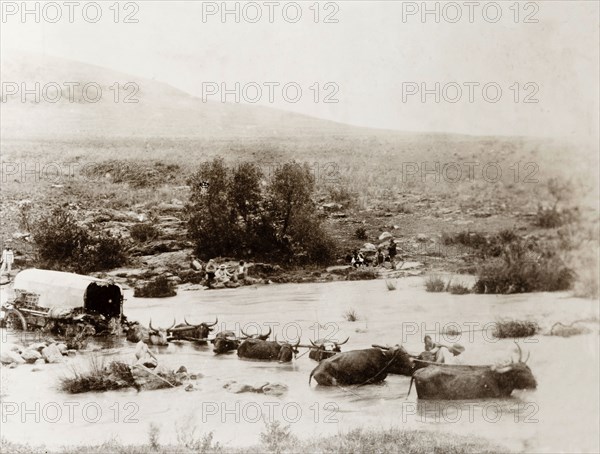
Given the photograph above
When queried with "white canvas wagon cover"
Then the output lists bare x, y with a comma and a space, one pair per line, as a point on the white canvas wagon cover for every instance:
57, 289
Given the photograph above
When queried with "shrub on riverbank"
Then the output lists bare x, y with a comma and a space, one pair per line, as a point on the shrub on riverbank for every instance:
98, 377
65, 245
435, 284
160, 287
515, 328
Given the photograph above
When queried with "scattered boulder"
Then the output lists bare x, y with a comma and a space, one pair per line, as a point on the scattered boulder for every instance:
62, 348
39, 362
52, 354
10, 357
369, 247
8, 347
385, 236
71, 353
39, 346
31, 356
421, 237
271, 389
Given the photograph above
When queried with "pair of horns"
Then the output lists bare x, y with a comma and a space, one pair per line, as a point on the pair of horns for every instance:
160, 329
208, 325
287, 343
321, 344
259, 335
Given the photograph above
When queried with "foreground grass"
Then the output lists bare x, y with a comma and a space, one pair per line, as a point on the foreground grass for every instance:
277, 439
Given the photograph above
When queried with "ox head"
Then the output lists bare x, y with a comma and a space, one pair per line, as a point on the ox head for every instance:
287, 351
257, 336
319, 350
400, 362
224, 342
158, 336
200, 331
515, 375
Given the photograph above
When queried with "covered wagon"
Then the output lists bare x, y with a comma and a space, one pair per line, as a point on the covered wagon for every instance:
55, 298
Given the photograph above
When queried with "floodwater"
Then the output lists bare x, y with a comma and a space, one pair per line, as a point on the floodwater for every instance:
561, 415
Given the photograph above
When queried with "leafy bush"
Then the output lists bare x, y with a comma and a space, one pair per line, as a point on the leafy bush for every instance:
459, 289
361, 233
65, 245
474, 240
144, 232
524, 268
138, 174
435, 284
515, 328
161, 287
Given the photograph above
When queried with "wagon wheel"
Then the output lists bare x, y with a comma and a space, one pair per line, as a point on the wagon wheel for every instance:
15, 321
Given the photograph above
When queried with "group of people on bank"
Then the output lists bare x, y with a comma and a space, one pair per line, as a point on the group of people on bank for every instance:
358, 259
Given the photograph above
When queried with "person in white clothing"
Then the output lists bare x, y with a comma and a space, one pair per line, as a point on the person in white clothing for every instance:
8, 258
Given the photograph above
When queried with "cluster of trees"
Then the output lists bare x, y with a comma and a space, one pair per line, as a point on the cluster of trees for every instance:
238, 211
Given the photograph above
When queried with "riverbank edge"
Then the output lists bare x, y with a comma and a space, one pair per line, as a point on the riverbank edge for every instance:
278, 439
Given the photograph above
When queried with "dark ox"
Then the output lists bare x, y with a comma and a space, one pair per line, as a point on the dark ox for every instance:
224, 342
360, 367
150, 335
319, 350
227, 341
187, 331
400, 367
439, 381
268, 350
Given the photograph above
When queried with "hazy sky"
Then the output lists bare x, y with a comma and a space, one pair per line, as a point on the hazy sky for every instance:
370, 54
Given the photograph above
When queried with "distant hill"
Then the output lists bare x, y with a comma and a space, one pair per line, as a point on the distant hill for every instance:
162, 111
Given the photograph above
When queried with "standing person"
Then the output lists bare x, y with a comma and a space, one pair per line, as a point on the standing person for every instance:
392, 251
379, 258
8, 258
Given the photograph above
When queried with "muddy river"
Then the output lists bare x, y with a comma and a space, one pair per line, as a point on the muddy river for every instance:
561, 415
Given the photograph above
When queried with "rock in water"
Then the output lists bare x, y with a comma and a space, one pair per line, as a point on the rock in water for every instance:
147, 379
274, 389
10, 357
52, 354
31, 356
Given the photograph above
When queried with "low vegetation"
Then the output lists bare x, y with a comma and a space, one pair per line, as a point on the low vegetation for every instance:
279, 439
567, 330
144, 232
98, 377
435, 284
459, 289
63, 244
351, 315
515, 328
159, 287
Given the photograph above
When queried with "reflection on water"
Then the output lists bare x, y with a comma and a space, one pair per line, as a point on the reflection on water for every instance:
528, 421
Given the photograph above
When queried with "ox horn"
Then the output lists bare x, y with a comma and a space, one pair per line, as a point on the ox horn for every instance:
269, 333
186, 322
337, 344
528, 355
245, 334
314, 345
297, 343
150, 327
173, 325
520, 351
216, 321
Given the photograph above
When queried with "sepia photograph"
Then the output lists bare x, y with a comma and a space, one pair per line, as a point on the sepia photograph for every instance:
353, 226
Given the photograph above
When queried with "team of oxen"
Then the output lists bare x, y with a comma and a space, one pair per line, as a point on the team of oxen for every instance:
356, 367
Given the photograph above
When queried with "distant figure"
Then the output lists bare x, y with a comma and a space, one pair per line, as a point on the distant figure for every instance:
144, 356
242, 271
450, 355
211, 269
379, 258
392, 251
222, 275
8, 258
357, 259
